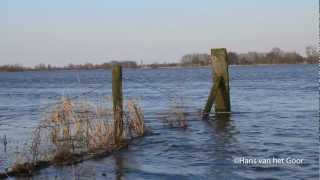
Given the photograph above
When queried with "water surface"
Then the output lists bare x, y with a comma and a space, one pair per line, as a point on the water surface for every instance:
274, 114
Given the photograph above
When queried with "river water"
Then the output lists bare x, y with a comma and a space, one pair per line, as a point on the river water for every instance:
274, 116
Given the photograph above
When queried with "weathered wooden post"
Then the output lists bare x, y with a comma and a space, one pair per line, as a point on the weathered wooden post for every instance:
220, 90
117, 102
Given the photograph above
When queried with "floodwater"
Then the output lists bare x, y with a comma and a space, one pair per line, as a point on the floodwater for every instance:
274, 115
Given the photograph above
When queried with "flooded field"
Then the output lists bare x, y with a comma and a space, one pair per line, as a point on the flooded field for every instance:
274, 115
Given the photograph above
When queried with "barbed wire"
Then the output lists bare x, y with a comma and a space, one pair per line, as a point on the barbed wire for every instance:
171, 95
48, 105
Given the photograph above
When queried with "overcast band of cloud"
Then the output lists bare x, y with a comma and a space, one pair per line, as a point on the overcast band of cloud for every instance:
78, 31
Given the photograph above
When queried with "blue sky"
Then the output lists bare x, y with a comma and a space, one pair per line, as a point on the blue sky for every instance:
60, 32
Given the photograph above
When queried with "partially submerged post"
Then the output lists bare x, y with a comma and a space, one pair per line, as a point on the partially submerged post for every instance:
220, 90
117, 102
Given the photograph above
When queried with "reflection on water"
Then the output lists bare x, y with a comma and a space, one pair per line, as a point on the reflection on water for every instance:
119, 166
220, 121
224, 136
223, 124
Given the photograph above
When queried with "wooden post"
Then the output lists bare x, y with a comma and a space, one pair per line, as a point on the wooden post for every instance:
211, 97
117, 102
220, 90
220, 68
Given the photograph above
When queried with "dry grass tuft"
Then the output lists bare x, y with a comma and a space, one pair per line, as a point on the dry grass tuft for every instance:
136, 120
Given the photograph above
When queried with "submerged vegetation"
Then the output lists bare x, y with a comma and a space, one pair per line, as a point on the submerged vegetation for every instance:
176, 117
73, 131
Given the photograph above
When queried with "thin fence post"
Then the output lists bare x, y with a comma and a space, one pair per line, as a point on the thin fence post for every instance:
117, 102
220, 93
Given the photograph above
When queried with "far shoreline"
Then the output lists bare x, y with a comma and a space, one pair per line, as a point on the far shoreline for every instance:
152, 68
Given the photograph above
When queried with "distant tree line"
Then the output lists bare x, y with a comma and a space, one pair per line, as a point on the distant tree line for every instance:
160, 65
275, 56
86, 66
195, 59
13, 68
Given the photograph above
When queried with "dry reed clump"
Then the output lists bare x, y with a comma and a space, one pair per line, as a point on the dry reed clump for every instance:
74, 129
136, 120
63, 156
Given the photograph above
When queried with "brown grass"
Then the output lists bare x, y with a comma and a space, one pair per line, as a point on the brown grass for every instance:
63, 156
25, 168
75, 128
136, 120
